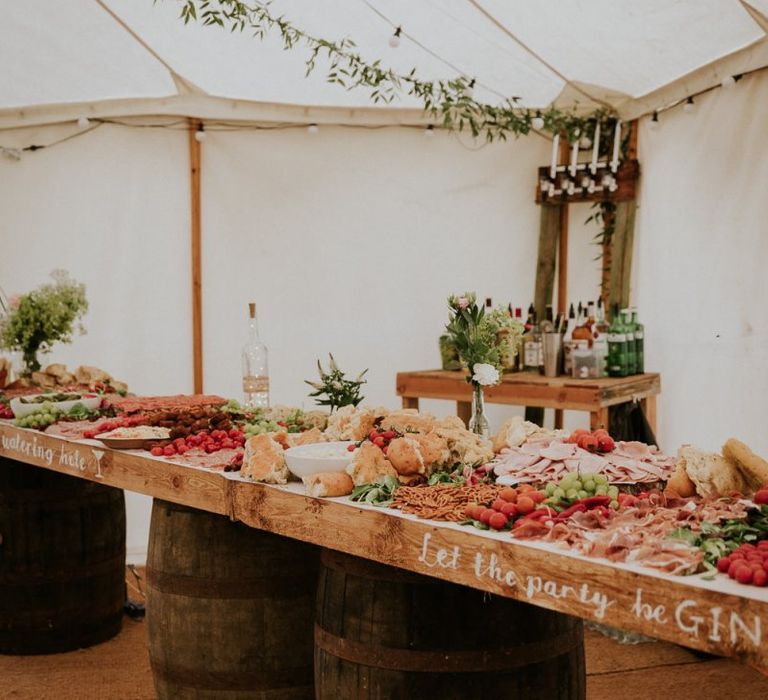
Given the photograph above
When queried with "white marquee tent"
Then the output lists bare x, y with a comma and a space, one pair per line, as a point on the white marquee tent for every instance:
352, 237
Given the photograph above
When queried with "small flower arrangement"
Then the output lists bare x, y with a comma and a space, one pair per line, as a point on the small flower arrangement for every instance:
34, 321
338, 390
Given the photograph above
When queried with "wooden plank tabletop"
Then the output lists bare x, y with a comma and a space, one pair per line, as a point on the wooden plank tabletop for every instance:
719, 616
530, 389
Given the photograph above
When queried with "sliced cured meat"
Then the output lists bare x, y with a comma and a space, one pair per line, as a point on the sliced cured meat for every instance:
72, 430
590, 463
130, 404
633, 450
557, 450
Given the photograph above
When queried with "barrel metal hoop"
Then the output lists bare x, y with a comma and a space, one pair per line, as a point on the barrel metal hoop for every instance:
206, 679
232, 589
447, 661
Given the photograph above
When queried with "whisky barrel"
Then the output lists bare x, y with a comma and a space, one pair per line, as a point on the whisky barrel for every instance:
385, 633
62, 561
229, 608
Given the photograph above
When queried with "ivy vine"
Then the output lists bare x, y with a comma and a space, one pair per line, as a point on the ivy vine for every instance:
448, 102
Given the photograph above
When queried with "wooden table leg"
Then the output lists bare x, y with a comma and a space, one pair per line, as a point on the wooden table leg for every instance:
411, 402
464, 411
598, 419
649, 408
558, 418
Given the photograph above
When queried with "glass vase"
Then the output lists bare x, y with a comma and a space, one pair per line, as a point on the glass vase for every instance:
478, 424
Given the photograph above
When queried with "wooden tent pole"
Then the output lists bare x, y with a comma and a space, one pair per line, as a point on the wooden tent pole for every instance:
562, 245
195, 229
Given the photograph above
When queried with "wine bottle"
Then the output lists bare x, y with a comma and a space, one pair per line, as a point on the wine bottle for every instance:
617, 346
568, 341
255, 366
629, 330
639, 330
531, 342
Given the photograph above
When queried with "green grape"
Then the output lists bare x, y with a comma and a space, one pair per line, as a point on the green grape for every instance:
601, 490
583, 494
600, 479
572, 494
559, 493
549, 489
589, 485
578, 485
613, 492
614, 505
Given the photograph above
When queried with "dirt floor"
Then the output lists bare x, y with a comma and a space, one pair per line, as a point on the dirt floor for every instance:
119, 670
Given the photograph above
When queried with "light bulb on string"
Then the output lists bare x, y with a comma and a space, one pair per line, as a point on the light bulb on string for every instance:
83, 123
429, 132
200, 134
689, 107
469, 91
654, 124
728, 82
394, 40
313, 129
537, 122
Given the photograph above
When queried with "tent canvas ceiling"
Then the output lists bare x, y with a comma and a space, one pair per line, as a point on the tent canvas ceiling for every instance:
136, 56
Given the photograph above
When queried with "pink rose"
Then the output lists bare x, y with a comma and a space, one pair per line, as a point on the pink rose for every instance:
463, 303
14, 301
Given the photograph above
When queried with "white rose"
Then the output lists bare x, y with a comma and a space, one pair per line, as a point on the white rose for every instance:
485, 374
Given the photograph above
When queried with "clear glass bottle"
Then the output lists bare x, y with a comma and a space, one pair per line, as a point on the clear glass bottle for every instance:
530, 343
568, 344
255, 366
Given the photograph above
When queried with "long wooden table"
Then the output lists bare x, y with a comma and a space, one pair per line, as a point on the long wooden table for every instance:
717, 616
529, 389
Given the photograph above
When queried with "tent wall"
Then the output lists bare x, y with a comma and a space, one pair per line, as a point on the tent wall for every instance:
350, 240
701, 255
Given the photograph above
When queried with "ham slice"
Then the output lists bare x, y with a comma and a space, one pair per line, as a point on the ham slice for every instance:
633, 450
557, 450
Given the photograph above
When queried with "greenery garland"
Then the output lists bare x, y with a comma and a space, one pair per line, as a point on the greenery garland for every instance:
448, 102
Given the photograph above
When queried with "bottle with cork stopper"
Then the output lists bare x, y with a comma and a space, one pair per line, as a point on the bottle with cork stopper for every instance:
255, 365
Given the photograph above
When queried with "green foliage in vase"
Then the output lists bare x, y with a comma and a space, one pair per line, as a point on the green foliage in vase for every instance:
472, 332
336, 389
46, 315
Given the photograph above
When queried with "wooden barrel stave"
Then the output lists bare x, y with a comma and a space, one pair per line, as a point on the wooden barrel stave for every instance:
385, 633
229, 609
62, 561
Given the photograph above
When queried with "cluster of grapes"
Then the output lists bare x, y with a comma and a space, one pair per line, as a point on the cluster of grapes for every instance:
573, 487
46, 415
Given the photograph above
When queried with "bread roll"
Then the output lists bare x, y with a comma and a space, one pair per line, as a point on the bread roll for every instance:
56, 370
408, 420
680, 482
368, 464
328, 484
712, 473
405, 455
309, 437
264, 460
753, 468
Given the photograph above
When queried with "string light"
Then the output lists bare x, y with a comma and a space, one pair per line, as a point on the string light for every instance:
689, 107
538, 121
429, 132
469, 91
313, 129
394, 40
83, 123
654, 125
200, 134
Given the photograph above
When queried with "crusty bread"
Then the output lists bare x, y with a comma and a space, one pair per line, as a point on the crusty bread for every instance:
308, 437
328, 484
712, 473
368, 464
753, 468
408, 420
405, 455
86, 374
56, 370
264, 460
680, 482
43, 380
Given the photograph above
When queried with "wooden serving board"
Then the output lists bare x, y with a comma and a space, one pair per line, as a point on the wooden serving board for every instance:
719, 616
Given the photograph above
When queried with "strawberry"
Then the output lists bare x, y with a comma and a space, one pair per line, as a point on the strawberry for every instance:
605, 443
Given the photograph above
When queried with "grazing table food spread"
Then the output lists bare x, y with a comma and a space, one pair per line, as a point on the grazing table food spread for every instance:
675, 547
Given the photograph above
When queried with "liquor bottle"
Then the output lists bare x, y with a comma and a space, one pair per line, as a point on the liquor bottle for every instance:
626, 319
591, 316
531, 342
582, 330
568, 341
255, 366
639, 330
519, 359
617, 346
600, 338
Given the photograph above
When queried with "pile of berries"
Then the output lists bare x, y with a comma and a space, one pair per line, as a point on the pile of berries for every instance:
596, 441
380, 438
105, 426
748, 564
511, 504
5, 411
212, 441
